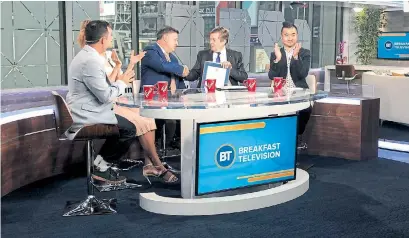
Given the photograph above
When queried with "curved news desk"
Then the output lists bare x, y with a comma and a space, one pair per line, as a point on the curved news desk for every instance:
203, 193
30, 149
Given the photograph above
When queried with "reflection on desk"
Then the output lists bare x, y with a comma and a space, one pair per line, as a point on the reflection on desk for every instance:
199, 99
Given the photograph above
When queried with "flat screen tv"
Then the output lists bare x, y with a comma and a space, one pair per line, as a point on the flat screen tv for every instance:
244, 153
393, 45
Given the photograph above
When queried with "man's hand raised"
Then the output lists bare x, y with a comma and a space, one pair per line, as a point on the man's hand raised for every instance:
277, 53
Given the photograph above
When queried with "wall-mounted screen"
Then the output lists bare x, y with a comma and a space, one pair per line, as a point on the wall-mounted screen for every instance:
393, 45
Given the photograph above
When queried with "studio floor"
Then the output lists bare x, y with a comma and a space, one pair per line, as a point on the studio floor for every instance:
345, 199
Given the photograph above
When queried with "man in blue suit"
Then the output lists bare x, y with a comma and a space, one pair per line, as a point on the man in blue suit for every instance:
159, 64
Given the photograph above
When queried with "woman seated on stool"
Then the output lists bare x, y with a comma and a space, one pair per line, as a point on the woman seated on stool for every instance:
145, 127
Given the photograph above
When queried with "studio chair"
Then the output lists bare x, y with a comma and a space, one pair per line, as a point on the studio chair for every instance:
345, 73
63, 122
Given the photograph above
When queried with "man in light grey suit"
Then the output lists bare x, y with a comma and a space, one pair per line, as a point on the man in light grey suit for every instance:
91, 97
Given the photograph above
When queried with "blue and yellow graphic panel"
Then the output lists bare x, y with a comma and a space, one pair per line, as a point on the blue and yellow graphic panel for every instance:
245, 153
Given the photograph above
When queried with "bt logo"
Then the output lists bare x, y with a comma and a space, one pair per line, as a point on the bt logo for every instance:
388, 45
225, 156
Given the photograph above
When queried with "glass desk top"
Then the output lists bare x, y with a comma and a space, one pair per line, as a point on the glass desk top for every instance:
199, 99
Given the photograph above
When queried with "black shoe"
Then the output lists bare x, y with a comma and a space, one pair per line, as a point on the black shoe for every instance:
175, 143
109, 176
171, 151
301, 145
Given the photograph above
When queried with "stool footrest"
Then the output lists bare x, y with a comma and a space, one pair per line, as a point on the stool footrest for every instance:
126, 165
90, 206
170, 156
302, 146
106, 187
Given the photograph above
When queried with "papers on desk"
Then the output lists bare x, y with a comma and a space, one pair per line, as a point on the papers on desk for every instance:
216, 71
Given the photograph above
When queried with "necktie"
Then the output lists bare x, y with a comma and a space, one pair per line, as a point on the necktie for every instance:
218, 57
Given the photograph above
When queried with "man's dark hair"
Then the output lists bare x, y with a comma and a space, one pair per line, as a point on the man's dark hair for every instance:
95, 30
164, 31
288, 25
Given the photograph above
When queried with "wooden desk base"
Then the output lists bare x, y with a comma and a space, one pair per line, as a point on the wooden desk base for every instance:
344, 130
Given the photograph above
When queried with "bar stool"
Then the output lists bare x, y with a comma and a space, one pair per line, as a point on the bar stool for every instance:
345, 73
63, 122
164, 155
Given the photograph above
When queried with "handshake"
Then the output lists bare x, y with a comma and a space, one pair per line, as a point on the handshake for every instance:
185, 71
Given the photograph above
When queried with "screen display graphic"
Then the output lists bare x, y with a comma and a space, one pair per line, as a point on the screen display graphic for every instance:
237, 154
393, 45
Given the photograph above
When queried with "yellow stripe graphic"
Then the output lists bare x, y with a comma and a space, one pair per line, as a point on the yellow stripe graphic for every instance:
272, 176
265, 174
393, 34
240, 127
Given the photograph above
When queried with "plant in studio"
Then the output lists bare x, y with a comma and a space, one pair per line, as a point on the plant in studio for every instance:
368, 24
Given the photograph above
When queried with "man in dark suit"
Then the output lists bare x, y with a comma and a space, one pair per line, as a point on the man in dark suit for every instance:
291, 62
218, 53
159, 63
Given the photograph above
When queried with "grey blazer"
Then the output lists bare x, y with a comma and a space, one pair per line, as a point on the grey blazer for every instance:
90, 94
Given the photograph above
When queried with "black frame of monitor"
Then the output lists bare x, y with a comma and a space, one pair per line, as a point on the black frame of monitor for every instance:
250, 186
377, 47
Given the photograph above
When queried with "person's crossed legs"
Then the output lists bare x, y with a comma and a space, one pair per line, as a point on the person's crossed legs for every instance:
114, 148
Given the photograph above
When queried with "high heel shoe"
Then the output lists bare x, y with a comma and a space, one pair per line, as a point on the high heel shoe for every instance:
146, 173
170, 168
172, 180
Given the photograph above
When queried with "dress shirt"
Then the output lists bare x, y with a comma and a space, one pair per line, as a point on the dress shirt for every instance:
223, 55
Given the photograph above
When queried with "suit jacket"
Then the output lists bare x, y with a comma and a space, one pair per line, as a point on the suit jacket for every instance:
90, 94
237, 72
298, 68
155, 67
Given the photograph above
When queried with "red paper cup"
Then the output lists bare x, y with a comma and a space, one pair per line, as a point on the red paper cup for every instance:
148, 91
251, 84
279, 83
210, 85
162, 88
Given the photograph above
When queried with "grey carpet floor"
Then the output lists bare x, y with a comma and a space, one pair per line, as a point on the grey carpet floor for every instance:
345, 199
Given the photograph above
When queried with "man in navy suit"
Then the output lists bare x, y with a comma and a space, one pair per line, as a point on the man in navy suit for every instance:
159, 64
